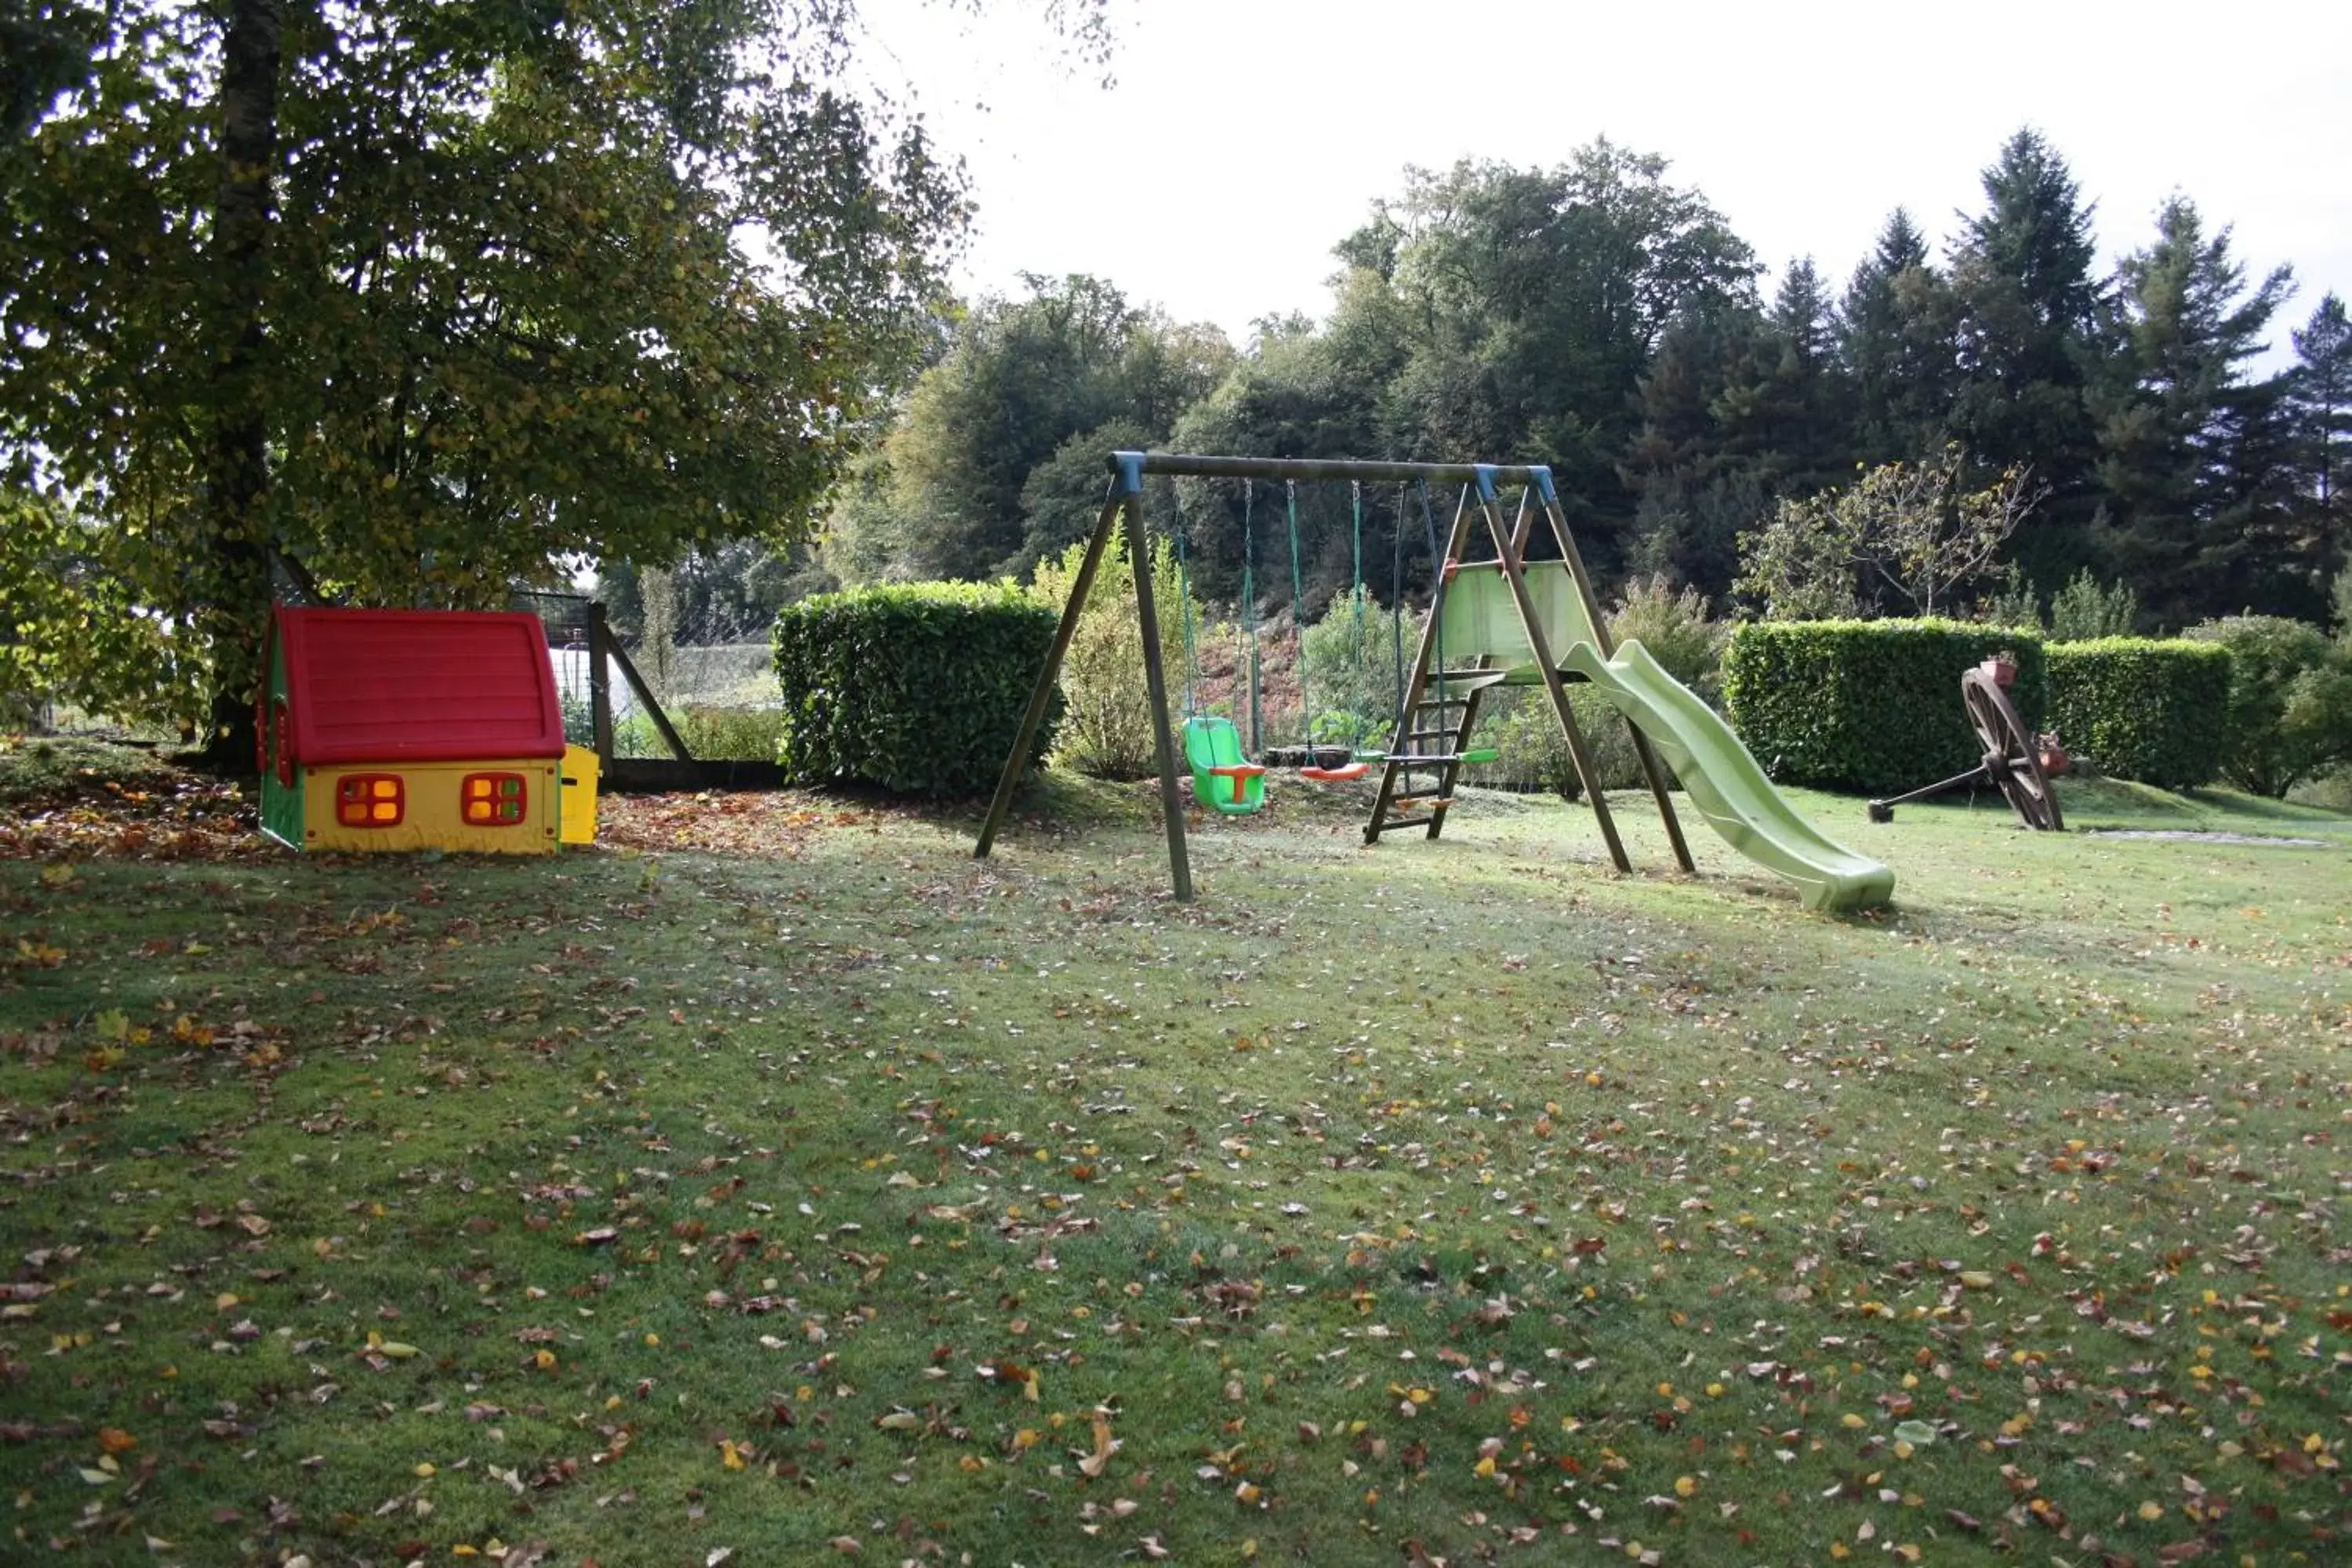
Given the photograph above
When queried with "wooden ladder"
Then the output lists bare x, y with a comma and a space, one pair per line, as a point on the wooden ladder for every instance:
1426, 760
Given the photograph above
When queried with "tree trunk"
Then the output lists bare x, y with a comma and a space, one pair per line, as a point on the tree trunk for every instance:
237, 466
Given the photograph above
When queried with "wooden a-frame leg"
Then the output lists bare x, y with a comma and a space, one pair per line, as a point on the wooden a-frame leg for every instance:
1606, 645
1578, 752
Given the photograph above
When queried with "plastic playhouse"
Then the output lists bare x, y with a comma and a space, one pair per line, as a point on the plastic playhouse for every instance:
408, 730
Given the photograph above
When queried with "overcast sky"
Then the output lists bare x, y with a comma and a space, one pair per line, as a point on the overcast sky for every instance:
1244, 138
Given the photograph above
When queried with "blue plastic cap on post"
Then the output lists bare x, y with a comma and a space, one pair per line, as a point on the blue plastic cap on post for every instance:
1486, 480
1131, 472
1544, 493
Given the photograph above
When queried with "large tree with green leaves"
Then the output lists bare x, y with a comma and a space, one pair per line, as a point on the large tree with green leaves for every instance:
2194, 451
1531, 302
420, 297
1071, 366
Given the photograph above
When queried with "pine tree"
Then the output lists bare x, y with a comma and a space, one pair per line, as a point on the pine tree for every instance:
2194, 456
1707, 413
1894, 332
2320, 403
1810, 409
2028, 333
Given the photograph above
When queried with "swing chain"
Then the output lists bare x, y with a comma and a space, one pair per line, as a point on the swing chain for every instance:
1184, 619
1249, 611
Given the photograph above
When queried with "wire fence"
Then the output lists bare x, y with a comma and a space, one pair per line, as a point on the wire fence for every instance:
719, 695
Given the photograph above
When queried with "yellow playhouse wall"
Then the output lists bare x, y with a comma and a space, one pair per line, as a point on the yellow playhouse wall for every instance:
581, 766
435, 817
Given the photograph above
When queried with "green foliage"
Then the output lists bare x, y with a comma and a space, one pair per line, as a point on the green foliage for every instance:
70, 629
1906, 535
2013, 603
728, 592
918, 687
732, 734
1895, 340
478, 287
2290, 702
2192, 451
2020, 321
1520, 725
1352, 669
2085, 610
1691, 530
579, 717
1867, 705
998, 461
2319, 397
1530, 300
2140, 709
1106, 730
1673, 626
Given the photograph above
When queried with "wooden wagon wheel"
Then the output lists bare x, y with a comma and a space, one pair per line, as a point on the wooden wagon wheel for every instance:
2009, 757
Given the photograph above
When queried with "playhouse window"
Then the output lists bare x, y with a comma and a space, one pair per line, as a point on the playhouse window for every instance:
369, 800
495, 800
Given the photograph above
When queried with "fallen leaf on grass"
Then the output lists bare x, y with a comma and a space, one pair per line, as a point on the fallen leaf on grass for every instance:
1093, 1465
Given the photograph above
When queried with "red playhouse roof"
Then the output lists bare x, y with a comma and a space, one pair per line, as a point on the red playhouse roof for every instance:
418, 686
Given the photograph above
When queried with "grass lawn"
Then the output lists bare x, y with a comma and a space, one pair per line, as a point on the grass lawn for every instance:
777, 1181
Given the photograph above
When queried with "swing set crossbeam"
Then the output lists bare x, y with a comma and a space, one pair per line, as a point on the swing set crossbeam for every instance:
1181, 465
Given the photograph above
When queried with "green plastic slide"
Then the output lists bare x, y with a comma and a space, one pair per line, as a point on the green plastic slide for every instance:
1729, 790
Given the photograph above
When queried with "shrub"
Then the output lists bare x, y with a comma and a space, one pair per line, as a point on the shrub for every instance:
1352, 669
915, 687
2290, 702
737, 734
1105, 729
1867, 705
2085, 611
2139, 708
2013, 603
1674, 628
1520, 725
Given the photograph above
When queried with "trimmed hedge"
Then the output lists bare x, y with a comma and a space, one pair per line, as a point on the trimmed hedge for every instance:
915, 687
1867, 705
2137, 708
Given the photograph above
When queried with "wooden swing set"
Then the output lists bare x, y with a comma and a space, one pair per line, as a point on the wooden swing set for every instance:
1440, 702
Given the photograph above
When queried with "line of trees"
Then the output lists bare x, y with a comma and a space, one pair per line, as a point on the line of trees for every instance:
1602, 318
411, 301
